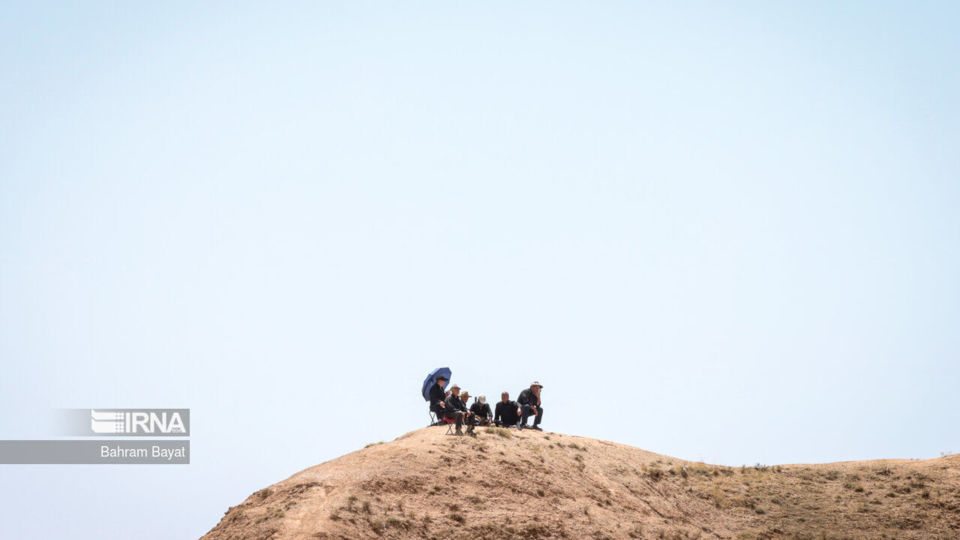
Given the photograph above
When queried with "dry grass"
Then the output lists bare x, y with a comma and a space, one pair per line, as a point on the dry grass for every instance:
504, 484
500, 432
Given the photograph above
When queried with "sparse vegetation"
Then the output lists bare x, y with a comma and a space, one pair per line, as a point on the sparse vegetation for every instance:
655, 474
499, 432
610, 491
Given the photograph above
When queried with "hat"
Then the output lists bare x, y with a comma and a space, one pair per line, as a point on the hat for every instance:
482, 399
535, 383
454, 386
464, 394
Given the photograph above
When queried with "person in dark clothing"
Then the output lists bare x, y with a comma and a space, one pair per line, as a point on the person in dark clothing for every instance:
530, 406
471, 418
454, 408
437, 396
481, 411
506, 413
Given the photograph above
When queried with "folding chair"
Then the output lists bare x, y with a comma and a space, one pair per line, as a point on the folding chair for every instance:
442, 420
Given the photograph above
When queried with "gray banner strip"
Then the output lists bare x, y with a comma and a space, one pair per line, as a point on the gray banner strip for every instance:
95, 452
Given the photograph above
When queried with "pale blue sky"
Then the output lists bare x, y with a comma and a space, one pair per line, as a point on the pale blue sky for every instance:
720, 231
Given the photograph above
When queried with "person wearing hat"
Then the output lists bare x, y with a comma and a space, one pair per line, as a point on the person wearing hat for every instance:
470, 418
529, 401
481, 411
454, 408
437, 396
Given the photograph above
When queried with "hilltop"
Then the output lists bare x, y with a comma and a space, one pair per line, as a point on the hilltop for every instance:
510, 484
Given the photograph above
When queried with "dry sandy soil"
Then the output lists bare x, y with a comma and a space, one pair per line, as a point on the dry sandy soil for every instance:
509, 484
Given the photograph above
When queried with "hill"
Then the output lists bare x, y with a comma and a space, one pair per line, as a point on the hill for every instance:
509, 484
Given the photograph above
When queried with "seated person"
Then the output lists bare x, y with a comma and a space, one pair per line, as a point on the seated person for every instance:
470, 418
506, 413
437, 397
481, 411
454, 408
530, 406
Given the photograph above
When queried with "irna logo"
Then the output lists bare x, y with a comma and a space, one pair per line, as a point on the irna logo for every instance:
132, 422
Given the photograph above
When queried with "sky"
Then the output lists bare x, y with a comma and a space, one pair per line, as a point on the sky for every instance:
721, 231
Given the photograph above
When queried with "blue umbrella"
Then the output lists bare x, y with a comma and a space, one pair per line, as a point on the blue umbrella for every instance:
432, 378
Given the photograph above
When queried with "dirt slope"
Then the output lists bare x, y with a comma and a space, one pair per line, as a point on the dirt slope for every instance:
509, 484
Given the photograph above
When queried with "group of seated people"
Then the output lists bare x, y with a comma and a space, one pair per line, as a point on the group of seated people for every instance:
452, 405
